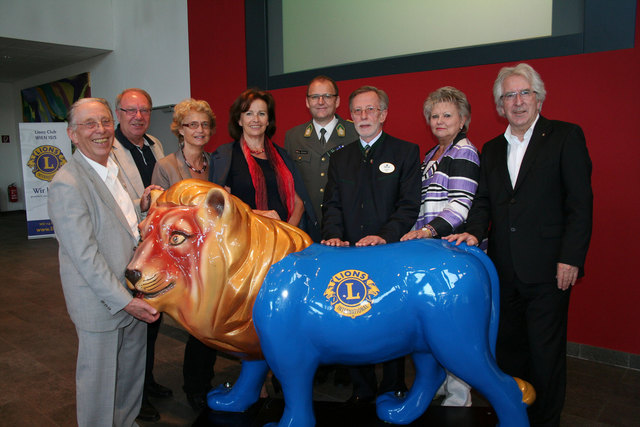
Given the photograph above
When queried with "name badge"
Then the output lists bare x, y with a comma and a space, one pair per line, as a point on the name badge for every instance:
386, 167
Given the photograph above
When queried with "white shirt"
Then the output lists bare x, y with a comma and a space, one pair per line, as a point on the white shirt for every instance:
109, 175
516, 150
329, 127
370, 143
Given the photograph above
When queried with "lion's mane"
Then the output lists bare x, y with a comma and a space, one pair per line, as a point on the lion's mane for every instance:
236, 250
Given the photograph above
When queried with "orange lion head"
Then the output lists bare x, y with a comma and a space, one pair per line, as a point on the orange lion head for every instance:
202, 258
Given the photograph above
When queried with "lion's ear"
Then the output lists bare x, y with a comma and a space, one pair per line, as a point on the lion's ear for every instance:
154, 197
216, 200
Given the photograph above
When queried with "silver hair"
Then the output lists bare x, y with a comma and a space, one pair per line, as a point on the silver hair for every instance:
452, 95
524, 70
72, 110
382, 96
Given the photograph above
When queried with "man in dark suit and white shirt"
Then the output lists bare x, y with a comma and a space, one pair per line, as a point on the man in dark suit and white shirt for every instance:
534, 203
96, 225
311, 144
372, 197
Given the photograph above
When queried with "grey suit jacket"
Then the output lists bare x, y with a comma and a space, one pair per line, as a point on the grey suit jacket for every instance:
130, 177
96, 245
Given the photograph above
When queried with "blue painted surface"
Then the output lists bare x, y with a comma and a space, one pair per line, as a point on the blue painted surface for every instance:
354, 306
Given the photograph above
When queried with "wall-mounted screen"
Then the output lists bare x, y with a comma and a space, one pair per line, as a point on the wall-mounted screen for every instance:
290, 41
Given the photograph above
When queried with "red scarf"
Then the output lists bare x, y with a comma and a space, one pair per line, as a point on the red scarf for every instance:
284, 178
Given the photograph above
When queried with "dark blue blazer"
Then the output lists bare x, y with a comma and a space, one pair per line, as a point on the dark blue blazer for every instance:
379, 195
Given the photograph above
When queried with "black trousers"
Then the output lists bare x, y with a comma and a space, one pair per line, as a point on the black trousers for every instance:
197, 366
365, 383
532, 343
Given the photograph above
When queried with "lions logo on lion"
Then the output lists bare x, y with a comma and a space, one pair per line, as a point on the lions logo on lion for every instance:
257, 288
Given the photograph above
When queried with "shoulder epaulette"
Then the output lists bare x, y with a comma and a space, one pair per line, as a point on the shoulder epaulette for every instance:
308, 130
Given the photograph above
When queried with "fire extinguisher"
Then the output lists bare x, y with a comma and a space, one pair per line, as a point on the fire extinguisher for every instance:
12, 191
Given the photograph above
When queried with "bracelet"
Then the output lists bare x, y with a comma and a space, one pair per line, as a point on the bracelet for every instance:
430, 229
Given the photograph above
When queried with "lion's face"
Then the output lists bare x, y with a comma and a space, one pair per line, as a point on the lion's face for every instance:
202, 258
172, 268
168, 256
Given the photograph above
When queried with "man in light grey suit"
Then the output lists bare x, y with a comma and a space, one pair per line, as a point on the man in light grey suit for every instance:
96, 226
136, 153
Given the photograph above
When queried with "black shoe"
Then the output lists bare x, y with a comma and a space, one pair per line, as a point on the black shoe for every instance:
356, 399
147, 411
154, 389
197, 401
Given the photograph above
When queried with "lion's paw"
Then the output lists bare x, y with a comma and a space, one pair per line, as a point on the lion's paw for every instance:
225, 399
396, 410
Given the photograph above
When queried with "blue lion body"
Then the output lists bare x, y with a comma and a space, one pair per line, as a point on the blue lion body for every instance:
355, 306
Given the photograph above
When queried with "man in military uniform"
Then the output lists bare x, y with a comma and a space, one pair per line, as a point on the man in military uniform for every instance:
311, 144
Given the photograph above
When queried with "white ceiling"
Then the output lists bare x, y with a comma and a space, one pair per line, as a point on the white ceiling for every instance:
20, 59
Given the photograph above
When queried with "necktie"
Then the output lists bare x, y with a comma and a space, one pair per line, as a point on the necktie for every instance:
322, 139
367, 148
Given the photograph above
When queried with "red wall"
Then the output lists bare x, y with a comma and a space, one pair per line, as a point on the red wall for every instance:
599, 91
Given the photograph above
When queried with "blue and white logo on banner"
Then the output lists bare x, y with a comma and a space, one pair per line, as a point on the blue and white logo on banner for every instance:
45, 148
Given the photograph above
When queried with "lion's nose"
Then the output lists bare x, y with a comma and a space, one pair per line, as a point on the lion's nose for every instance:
132, 276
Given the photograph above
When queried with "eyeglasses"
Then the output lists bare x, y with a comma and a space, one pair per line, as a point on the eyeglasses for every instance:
196, 125
326, 96
106, 123
368, 110
131, 112
525, 95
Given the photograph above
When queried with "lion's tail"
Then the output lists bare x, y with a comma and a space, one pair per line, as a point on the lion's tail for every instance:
495, 292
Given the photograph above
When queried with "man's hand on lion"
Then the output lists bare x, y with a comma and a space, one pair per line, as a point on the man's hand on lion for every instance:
145, 200
467, 238
371, 240
269, 214
141, 310
334, 242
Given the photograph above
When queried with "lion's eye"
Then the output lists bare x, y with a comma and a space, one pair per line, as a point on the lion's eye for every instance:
177, 239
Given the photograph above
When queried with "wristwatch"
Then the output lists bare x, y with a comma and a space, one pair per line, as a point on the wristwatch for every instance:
430, 229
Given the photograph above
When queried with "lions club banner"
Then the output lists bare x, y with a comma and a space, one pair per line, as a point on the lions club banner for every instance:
45, 147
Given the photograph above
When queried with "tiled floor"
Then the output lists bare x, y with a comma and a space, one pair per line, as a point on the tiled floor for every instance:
38, 349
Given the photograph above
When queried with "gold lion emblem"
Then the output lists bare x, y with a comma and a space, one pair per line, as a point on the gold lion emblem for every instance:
45, 161
351, 293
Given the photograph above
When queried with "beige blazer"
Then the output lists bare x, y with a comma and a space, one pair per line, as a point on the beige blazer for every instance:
128, 170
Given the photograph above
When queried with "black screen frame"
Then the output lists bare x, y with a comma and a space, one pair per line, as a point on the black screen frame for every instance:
607, 25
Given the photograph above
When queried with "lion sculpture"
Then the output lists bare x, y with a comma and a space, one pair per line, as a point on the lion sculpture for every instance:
259, 289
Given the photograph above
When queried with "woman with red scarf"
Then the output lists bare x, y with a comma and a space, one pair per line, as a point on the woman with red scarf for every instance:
256, 170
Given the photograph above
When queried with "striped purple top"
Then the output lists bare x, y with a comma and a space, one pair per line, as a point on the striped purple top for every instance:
448, 186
